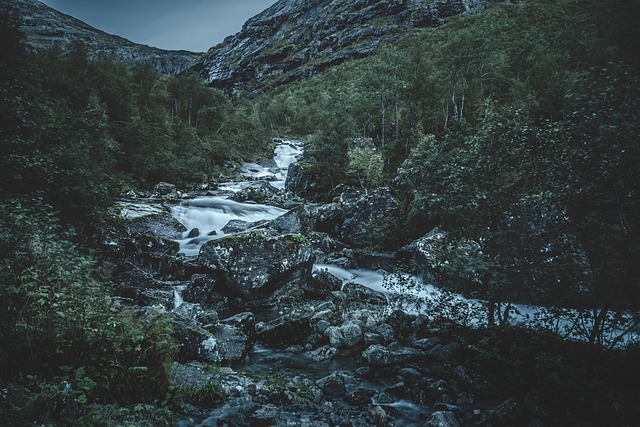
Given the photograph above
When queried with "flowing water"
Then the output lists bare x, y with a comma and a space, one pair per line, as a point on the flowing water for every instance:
205, 217
209, 215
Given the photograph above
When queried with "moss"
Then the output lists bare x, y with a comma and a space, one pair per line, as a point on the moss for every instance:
297, 238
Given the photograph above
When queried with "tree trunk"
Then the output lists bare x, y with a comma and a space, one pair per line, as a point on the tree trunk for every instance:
396, 114
491, 318
382, 110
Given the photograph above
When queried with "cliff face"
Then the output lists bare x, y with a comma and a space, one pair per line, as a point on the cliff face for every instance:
295, 39
46, 27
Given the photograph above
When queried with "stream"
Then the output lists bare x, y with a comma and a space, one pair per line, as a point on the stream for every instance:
205, 219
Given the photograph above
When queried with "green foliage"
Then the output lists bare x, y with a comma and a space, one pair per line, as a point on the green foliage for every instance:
567, 379
57, 314
207, 396
366, 166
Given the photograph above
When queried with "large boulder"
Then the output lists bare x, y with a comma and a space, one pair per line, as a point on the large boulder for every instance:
298, 220
378, 355
299, 180
431, 254
349, 334
255, 264
369, 220
202, 289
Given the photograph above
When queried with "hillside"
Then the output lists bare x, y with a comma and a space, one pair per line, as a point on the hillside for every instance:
295, 39
46, 27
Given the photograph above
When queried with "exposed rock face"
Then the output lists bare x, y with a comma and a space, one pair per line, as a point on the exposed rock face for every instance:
295, 39
46, 27
255, 264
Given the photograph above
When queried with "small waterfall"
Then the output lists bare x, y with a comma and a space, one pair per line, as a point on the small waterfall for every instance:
177, 295
205, 217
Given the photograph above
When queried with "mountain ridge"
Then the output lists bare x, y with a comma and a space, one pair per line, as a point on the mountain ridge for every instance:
46, 28
294, 39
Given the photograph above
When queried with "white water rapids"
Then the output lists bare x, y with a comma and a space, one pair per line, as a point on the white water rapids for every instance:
209, 215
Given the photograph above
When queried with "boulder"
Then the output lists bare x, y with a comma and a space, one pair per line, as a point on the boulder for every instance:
298, 220
378, 355
245, 321
328, 218
348, 334
323, 283
285, 333
332, 386
300, 180
165, 189
196, 343
431, 254
322, 354
238, 226
370, 220
161, 225
201, 289
442, 419
255, 264
232, 344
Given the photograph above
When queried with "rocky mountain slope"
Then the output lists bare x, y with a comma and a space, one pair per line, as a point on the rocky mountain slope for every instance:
294, 39
46, 27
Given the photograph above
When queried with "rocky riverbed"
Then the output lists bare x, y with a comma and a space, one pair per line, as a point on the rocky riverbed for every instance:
278, 323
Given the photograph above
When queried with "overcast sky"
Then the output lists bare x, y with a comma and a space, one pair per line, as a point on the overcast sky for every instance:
194, 25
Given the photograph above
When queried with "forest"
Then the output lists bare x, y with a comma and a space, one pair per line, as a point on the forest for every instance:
516, 129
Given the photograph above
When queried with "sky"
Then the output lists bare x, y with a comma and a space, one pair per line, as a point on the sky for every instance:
194, 25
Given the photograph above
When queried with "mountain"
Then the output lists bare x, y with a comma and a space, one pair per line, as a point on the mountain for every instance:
46, 27
294, 39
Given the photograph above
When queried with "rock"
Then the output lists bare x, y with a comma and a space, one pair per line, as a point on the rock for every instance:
298, 220
445, 353
294, 40
322, 283
430, 254
162, 226
363, 295
508, 412
322, 354
196, 343
348, 334
165, 189
360, 397
255, 264
232, 344
265, 416
300, 180
462, 375
187, 310
193, 233
332, 386
377, 355
328, 217
285, 333
370, 219
237, 226
322, 326
245, 321
202, 289
378, 417
426, 343
442, 419
371, 338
